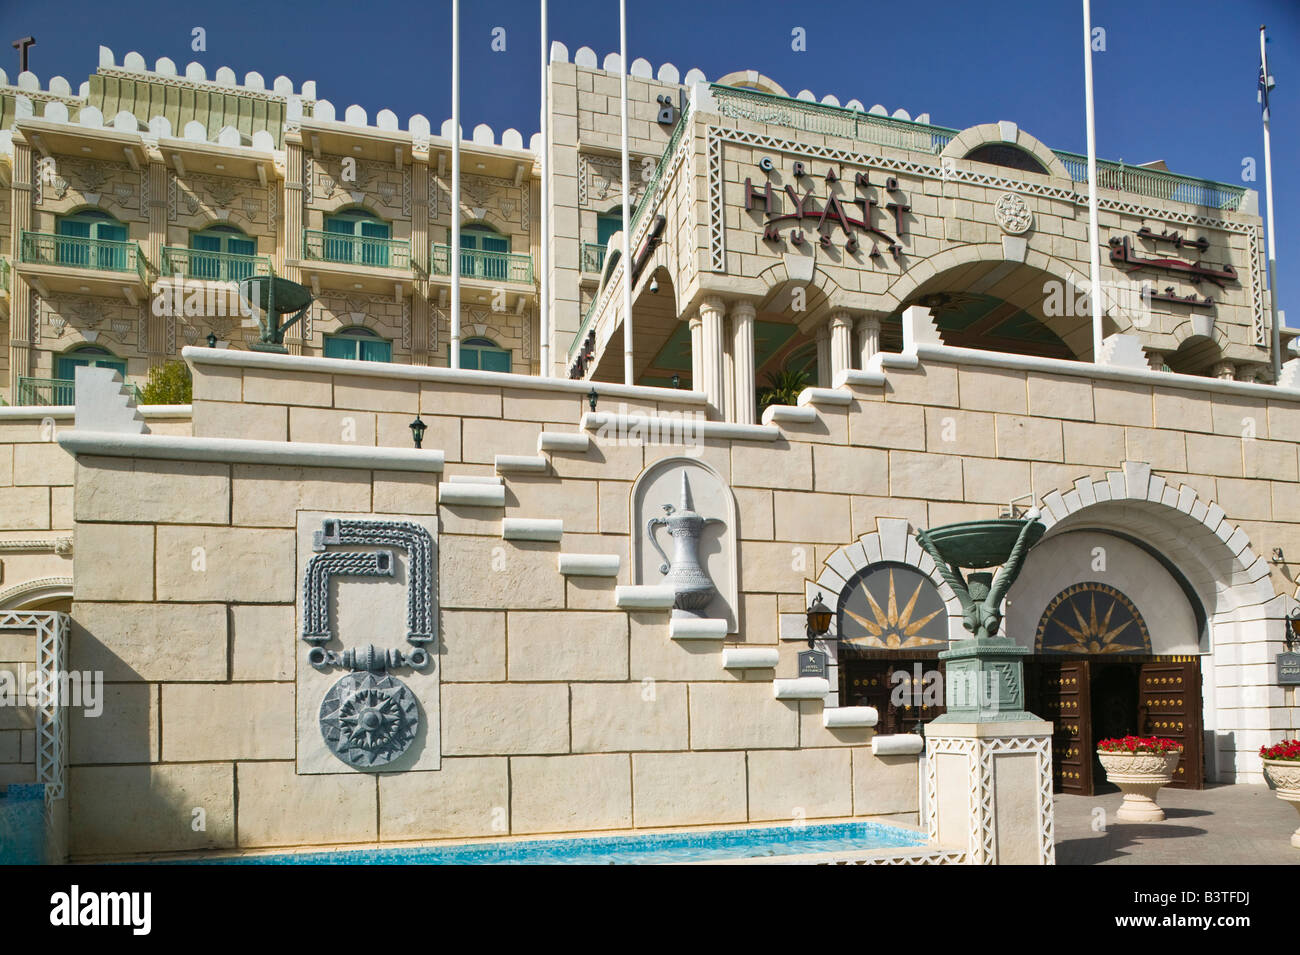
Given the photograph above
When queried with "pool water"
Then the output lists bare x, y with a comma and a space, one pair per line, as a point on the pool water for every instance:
652, 848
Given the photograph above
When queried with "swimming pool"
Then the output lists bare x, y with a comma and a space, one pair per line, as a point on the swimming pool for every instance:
707, 845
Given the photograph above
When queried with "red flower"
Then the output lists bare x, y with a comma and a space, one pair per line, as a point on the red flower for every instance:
1288, 749
1140, 744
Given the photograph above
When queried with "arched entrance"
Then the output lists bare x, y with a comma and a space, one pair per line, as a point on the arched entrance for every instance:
1194, 600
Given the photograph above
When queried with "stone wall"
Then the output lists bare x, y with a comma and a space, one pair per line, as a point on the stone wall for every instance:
564, 709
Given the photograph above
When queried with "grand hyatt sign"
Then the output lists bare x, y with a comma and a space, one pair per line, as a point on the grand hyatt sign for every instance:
828, 213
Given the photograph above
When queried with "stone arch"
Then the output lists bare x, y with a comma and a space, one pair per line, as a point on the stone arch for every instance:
798, 271
1005, 134
36, 594
1245, 614
935, 273
753, 80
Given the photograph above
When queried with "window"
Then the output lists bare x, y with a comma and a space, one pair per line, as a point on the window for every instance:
359, 344
482, 354
484, 253
606, 226
85, 356
227, 244
91, 232
357, 236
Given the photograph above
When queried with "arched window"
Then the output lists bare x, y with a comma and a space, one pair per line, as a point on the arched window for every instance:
1011, 157
232, 254
349, 231
482, 354
83, 356
95, 240
359, 344
484, 253
607, 224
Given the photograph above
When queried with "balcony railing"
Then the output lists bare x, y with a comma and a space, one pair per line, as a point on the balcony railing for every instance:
356, 250
213, 266
593, 257
78, 252
47, 392
922, 137
489, 266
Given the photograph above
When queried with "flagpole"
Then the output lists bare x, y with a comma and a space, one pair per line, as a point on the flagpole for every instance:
1094, 240
544, 318
455, 184
627, 205
1268, 200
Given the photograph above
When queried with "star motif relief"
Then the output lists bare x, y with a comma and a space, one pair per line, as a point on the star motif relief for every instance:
890, 627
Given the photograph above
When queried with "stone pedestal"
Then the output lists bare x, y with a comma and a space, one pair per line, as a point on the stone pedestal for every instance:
989, 761
989, 790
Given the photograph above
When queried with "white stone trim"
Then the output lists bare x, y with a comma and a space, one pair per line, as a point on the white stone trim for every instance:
40, 590
472, 494
247, 451
837, 717
563, 441
697, 628
644, 597
530, 529
802, 688
675, 428
521, 463
590, 565
372, 369
788, 414
824, 396
41, 412
750, 658
898, 744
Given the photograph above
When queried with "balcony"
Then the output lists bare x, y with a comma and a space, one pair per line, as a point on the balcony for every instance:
365, 251
212, 266
483, 266
75, 263
829, 120
48, 392
593, 258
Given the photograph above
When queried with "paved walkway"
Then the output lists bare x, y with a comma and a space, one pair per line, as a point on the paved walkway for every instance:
1218, 825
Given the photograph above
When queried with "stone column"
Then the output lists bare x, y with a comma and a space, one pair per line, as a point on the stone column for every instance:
711, 314
728, 372
697, 353
20, 304
824, 357
742, 354
868, 339
1225, 371
294, 222
156, 335
841, 327
420, 309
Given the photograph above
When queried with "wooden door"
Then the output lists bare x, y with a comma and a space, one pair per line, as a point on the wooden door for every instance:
1169, 705
1063, 697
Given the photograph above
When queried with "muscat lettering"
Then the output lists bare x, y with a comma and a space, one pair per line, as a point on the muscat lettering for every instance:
830, 212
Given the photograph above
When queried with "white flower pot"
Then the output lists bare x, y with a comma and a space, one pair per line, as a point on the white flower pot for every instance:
1139, 776
1285, 776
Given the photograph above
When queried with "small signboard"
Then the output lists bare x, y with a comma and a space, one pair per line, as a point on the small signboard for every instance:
812, 663
1288, 669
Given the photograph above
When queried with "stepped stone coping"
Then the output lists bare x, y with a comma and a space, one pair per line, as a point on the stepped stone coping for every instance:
856, 378
473, 479
248, 451
676, 429
687, 628
563, 441
644, 597
834, 717
590, 565
472, 494
802, 688
527, 463
40, 412
197, 355
774, 414
899, 744
750, 658
531, 528
824, 396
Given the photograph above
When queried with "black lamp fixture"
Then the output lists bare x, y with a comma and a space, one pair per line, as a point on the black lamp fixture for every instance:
677, 381
1292, 636
819, 620
417, 431
212, 340
592, 398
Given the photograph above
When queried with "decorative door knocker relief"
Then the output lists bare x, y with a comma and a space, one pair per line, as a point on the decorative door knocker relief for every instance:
369, 717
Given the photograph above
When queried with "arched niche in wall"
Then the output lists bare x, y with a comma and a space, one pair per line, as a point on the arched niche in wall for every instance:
1130, 587
660, 485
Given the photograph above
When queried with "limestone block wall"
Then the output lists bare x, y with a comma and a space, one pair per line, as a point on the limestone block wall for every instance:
563, 707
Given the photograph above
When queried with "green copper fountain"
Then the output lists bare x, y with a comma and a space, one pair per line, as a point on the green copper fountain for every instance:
985, 674
273, 297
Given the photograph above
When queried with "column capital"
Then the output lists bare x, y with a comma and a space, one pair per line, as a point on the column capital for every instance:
695, 322
743, 310
712, 303
823, 333
869, 323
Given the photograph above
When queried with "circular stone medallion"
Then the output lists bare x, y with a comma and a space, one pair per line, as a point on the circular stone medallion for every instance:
1012, 213
369, 719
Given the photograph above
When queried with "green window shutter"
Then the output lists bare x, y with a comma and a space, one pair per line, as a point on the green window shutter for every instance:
340, 348
606, 226
241, 246
376, 350
495, 360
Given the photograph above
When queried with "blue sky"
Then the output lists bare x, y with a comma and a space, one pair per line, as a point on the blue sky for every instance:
1177, 80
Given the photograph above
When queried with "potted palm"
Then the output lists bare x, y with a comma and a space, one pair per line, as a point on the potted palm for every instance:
1282, 767
1139, 766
